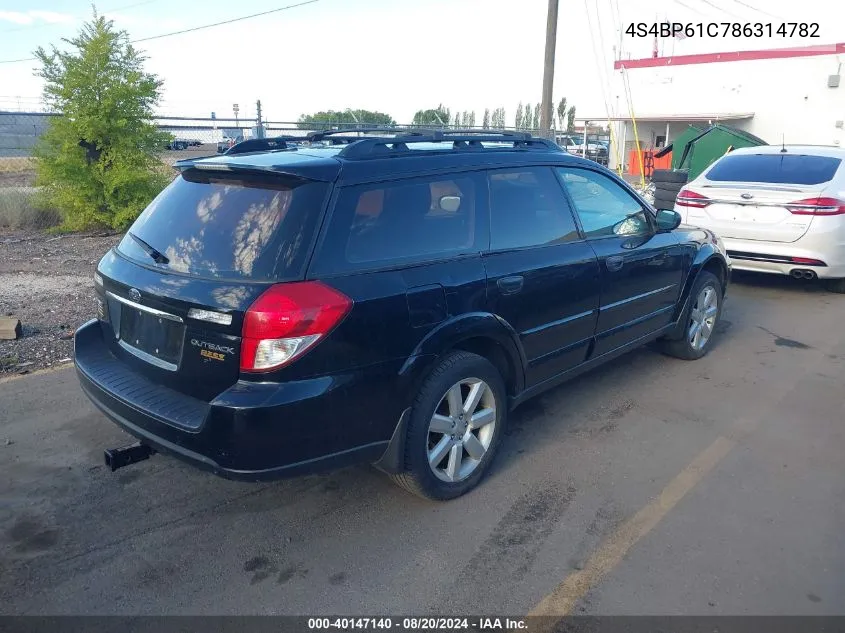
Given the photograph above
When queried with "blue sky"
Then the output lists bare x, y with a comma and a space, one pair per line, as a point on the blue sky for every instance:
391, 55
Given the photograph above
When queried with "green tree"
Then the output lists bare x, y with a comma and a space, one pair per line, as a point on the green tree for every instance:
438, 116
326, 119
517, 121
526, 117
570, 119
98, 161
561, 113
535, 123
501, 118
485, 121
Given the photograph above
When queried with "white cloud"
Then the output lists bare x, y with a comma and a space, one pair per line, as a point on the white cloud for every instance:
52, 17
15, 17
32, 17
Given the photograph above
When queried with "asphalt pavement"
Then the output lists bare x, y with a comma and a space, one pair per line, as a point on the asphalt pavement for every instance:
649, 486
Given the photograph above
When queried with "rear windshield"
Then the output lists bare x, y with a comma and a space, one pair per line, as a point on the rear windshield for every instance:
228, 227
793, 169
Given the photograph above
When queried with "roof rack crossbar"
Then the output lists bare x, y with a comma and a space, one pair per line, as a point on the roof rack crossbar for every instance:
376, 146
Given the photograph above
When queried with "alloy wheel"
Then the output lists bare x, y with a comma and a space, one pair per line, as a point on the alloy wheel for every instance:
703, 318
461, 429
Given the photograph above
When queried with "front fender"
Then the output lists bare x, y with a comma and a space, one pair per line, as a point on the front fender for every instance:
707, 255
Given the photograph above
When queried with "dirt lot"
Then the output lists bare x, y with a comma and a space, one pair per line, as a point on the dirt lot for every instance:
46, 281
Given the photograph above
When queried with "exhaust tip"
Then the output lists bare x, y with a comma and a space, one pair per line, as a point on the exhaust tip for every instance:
801, 273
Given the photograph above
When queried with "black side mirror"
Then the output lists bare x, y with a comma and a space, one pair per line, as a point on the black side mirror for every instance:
668, 220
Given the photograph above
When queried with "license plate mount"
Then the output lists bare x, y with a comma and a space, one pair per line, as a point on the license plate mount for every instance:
152, 335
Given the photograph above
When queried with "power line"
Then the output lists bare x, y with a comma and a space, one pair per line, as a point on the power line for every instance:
693, 9
208, 26
191, 30
718, 8
771, 15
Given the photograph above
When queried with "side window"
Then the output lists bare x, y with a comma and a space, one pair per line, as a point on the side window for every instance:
605, 208
528, 208
401, 221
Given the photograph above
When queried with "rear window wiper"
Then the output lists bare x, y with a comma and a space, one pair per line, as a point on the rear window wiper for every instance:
157, 256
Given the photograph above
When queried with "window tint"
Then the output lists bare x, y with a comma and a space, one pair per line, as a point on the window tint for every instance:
603, 206
528, 208
793, 169
409, 220
229, 227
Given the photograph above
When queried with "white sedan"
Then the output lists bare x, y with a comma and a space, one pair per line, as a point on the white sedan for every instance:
779, 209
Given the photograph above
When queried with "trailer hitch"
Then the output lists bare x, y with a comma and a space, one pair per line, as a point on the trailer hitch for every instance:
126, 455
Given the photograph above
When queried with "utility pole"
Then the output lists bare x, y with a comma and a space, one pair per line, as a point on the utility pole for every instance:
259, 126
549, 69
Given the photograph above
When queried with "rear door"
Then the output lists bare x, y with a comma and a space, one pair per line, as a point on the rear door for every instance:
756, 196
175, 289
542, 277
408, 254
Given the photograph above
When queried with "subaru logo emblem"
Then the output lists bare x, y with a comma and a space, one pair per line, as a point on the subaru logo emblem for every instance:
134, 294
746, 196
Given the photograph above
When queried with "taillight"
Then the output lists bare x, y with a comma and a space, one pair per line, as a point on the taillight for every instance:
817, 206
689, 198
807, 261
288, 319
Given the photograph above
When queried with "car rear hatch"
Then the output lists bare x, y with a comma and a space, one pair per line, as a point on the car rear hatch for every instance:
174, 292
764, 197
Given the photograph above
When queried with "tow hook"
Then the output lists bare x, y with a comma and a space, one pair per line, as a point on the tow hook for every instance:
126, 455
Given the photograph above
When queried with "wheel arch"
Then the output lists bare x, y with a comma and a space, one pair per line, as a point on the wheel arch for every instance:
708, 259
481, 333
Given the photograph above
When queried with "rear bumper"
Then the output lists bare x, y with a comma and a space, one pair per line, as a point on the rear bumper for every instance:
251, 431
764, 257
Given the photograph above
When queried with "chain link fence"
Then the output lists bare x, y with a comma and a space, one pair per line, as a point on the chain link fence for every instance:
188, 137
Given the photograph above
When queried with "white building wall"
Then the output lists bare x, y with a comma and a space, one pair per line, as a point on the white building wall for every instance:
790, 97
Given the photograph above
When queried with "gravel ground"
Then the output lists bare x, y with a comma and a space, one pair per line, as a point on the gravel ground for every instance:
46, 282
25, 178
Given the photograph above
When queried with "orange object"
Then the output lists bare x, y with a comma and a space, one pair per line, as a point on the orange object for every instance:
664, 162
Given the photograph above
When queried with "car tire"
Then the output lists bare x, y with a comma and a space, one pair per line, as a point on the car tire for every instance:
664, 201
669, 187
669, 175
835, 285
427, 468
706, 293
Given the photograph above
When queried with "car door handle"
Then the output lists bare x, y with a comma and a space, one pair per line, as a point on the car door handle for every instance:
510, 285
614, 262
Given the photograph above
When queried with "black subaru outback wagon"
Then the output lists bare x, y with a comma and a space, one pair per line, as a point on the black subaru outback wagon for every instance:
381, 299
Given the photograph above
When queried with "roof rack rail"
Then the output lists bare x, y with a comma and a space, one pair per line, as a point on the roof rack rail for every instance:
504, 134
378, 147
261, 145
349, 132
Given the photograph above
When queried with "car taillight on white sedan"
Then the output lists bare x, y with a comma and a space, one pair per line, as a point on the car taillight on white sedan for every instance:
286, 320
817, 206
690, 198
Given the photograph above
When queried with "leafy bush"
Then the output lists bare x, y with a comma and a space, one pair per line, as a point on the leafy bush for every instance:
98, 162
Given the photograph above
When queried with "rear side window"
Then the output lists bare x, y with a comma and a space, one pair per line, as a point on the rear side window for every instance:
242, 227
792, 169
401, 221
528, 208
